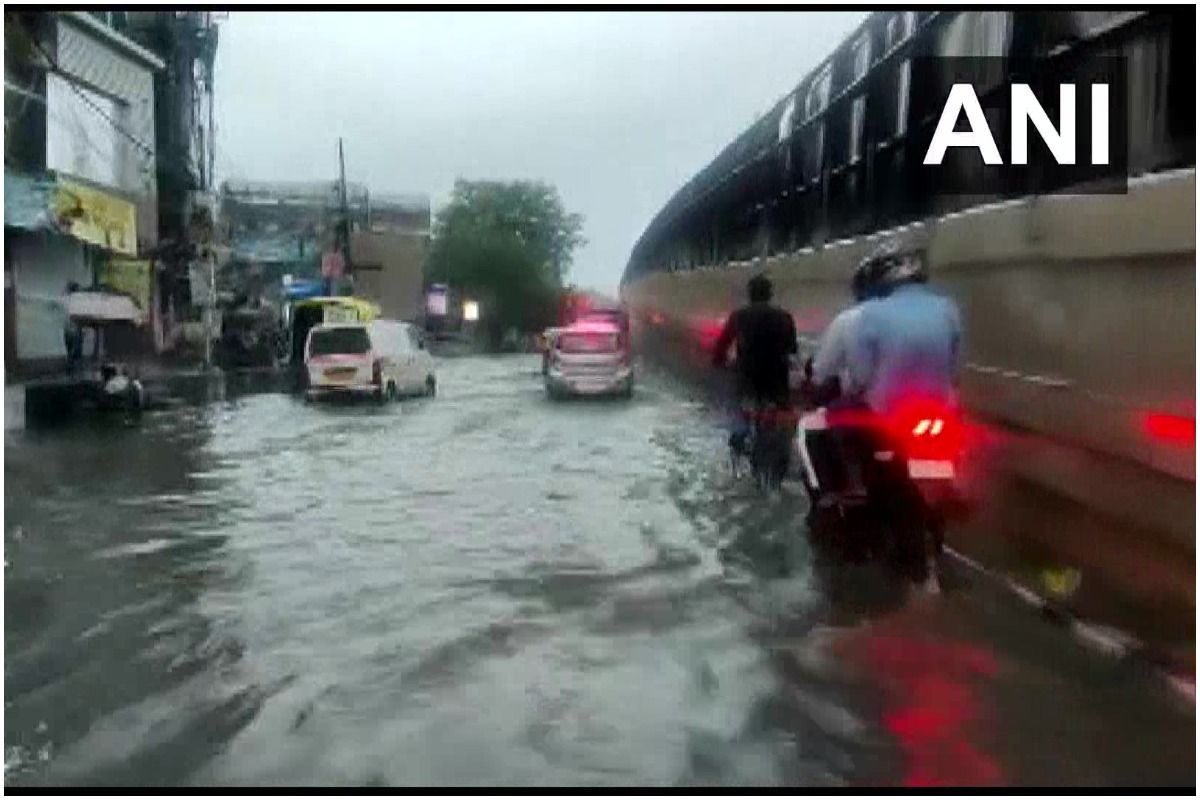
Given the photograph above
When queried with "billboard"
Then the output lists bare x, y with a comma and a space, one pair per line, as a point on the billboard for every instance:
435, 300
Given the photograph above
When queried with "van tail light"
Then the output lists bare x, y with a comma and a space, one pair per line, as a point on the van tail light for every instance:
377, 372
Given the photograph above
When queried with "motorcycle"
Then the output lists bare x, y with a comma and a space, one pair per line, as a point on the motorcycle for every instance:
906, 486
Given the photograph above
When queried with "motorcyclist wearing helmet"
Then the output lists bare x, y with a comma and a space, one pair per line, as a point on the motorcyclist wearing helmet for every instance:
907, 342
766, 337
831, 448
828, 373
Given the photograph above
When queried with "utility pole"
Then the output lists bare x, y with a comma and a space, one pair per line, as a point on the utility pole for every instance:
208, 308
345, 208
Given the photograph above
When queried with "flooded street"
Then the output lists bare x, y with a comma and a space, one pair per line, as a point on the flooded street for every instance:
489, 588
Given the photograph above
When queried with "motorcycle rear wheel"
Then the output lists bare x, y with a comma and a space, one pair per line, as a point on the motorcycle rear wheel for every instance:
906, 532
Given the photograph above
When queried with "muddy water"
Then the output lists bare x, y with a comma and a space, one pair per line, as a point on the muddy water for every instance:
489, 588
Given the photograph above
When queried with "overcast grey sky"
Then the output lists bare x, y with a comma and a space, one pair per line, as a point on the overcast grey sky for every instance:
615, 109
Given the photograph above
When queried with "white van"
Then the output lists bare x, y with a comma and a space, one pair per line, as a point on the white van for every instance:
384, 359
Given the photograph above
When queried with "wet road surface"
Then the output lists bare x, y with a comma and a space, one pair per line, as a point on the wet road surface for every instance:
489, 588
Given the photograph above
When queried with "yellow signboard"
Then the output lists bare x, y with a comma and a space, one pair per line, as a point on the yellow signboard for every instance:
130, 277
95, 217
339, 313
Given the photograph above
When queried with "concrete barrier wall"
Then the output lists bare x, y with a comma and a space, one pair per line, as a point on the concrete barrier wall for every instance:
1080, 325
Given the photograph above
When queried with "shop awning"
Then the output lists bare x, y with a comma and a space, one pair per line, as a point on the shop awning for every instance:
88, 307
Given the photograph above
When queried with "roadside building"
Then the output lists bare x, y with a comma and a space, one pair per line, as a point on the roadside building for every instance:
388, 258
79, 174
275, 229
400, 213
185, 137
278, 228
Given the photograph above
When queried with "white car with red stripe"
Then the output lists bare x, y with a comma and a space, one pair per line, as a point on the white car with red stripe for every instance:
591, 357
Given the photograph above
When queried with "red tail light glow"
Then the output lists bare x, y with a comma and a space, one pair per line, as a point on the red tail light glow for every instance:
1171, 428
707, 331
929, 427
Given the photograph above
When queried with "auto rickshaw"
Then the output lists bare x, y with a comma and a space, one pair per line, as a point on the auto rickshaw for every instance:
318, 310
103, 380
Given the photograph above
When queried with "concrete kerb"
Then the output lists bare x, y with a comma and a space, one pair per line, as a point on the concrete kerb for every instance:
1098, 638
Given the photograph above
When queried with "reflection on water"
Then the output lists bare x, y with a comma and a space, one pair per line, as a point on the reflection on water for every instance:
489, 588
113, 537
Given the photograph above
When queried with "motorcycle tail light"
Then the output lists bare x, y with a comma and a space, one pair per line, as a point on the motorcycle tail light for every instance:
929, 427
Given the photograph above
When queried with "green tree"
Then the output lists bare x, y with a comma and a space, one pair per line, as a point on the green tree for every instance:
508, 244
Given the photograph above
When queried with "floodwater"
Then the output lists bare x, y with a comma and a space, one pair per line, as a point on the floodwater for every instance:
490, 588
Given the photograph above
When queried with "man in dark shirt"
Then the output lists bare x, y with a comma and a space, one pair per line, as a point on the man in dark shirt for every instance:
766, 337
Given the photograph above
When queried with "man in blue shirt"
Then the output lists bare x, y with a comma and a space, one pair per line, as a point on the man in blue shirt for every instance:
907, 343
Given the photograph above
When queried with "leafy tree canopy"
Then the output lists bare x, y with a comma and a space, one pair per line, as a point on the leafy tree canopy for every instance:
508, 244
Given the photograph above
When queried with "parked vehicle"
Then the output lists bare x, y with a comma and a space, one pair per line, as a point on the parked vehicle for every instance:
590, 358
250, 337
383, 359
104, 380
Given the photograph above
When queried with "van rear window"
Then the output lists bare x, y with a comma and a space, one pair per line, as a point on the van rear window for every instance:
339, 341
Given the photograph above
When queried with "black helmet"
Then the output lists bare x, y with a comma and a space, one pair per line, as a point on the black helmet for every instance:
864, 283
760, 289
867, 278
897, 262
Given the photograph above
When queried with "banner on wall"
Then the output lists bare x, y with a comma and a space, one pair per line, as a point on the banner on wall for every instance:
435, 300
93, 216
128, 276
